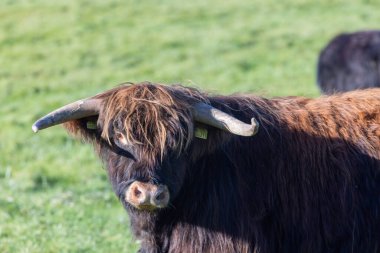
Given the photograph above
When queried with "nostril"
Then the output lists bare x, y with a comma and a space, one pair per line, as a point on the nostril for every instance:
160, 196
137, 192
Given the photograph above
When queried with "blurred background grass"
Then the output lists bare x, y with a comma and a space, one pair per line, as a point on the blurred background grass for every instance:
54, 194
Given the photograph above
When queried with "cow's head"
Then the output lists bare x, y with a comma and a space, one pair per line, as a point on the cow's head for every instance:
144, 133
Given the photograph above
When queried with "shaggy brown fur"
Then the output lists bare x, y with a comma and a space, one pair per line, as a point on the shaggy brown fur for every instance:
309, 181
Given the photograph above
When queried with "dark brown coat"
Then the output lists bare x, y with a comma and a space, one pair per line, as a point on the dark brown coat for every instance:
309, 181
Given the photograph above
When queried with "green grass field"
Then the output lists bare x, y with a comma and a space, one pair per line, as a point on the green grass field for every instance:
54, 193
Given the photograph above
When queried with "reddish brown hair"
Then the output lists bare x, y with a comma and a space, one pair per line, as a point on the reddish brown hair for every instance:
307, 182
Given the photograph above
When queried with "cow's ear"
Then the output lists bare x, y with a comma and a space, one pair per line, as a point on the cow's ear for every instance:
208, 139
200, 131
85, 128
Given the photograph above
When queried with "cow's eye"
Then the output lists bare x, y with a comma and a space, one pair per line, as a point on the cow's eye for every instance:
122, 151
121, 147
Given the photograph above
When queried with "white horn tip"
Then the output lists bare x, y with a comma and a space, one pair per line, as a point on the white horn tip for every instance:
35, 128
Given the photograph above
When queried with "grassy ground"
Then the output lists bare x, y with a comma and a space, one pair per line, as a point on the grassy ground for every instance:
54, 194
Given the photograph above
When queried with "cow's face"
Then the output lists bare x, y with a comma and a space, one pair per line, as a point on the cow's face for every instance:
152, 125
141, 184
154, 132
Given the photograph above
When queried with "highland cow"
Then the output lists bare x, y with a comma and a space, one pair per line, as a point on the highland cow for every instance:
349, 62
302, 176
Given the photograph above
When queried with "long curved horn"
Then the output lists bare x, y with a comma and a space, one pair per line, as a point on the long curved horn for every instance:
79, 109
209, 115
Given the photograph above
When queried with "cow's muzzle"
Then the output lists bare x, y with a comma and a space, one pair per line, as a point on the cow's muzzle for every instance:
147, 196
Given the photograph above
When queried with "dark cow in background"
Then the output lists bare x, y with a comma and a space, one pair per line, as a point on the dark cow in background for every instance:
349, 62
194, 178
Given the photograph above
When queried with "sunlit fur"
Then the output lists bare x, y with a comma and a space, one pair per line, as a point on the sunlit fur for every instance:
309, 181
